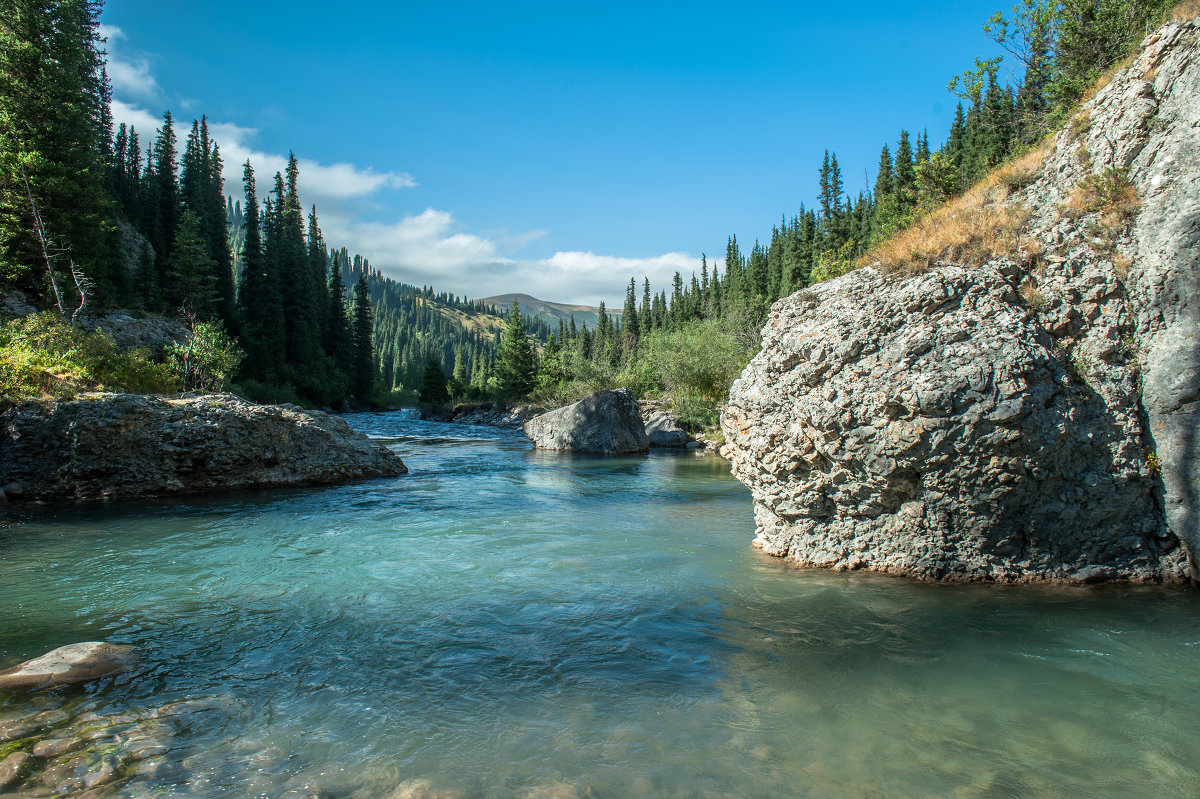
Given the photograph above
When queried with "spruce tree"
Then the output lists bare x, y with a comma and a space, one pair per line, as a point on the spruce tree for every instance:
362, 370
515, 362
54, 145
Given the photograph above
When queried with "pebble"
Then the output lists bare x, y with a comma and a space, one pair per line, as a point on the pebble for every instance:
12, 769
55, 747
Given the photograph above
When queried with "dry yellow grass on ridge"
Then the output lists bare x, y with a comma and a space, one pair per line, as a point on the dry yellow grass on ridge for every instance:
972, 228
1186, 11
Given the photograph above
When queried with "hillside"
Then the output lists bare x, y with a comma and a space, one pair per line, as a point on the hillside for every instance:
550, 312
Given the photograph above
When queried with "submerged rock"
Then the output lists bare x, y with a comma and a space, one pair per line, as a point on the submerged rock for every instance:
110, 446
67, 665
13, 768
607, 423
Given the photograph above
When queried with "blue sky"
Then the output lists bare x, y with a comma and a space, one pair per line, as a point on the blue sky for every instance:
552, 148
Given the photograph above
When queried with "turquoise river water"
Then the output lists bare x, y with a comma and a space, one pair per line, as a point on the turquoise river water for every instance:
503, 622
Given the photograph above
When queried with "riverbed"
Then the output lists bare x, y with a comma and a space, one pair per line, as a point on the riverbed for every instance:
503, 622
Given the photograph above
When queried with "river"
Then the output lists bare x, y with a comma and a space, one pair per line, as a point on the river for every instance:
503, 622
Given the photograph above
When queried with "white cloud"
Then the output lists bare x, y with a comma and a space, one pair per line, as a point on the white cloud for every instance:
129, 74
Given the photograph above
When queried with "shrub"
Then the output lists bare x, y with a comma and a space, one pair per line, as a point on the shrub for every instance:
45, 356
1109, 193
207, 360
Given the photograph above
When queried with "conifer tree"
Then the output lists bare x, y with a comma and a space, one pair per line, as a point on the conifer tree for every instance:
191, 270
515, 363
362, 368
54, 146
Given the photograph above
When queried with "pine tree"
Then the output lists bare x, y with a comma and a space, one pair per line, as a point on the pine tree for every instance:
191, 269
515, 362
433, 384
55, 145
362, 367
905, 186
258, 296
629, 317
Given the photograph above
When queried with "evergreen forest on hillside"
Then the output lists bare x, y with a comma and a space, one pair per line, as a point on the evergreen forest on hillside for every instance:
92, 217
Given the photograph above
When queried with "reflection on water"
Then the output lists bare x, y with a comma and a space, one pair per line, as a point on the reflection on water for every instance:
501, 621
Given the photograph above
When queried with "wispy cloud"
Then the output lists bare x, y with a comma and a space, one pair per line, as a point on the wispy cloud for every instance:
130, 74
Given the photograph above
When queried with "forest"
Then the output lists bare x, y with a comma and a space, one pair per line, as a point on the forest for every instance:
96, 217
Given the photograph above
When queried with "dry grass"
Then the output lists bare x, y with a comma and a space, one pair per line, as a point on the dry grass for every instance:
1186, 11
1079, 123
1121, 266
1034, 300
973, 228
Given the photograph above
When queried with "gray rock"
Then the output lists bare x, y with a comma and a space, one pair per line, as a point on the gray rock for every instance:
664, 430
13, 490
12, 769
1146, 120
109, 446
15, 304
71, 664
874, 435
55, 747
606, 422
133, 329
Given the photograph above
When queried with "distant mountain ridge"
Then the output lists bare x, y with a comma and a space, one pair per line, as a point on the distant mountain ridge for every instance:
550, 311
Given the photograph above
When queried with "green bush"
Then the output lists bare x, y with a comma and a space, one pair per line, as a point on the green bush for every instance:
693, 368
207, 360
45, 356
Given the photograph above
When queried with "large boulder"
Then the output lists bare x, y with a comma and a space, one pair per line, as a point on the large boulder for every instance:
1031, 420
71, 664
111, 446
928, 426
606, 423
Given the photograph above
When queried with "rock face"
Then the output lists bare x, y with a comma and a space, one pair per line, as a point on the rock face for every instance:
1005, 421
68, 665
111, 446
606, 423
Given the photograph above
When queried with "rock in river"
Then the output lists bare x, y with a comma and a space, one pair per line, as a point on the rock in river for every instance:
112, 446
67, 665
607, 423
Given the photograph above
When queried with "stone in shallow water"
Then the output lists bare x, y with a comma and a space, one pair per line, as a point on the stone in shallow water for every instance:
67, 665
12, 769
421, 789
54, 747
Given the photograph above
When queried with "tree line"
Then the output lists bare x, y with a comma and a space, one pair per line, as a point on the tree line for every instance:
88, 216
691, 340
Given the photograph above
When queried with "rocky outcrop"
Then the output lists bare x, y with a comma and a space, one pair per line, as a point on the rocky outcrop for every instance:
606, 423
69, 665
1006, 421
111, 446
511, 417
127, 329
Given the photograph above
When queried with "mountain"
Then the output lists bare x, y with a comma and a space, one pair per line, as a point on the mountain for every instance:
551, 312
